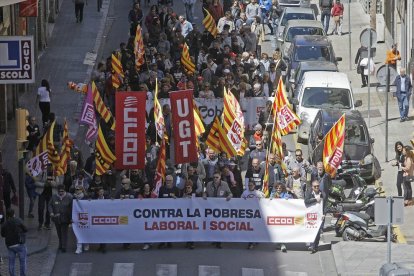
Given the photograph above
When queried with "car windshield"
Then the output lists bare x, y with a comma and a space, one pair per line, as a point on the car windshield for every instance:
294, 31
326, 97
296, 16
354, 133
321, 53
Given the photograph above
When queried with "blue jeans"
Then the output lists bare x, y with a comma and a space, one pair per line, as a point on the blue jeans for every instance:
403, 105
325, 18
21, 251
189, 12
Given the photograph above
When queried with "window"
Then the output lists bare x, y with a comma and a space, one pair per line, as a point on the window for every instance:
321, 53
326, 97
294, 31
297, 16
355, 134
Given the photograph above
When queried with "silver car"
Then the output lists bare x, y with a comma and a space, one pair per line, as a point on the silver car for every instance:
298, 27
293, 13
295, 3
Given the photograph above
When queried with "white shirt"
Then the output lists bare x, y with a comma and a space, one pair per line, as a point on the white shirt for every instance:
44, 95
403, 84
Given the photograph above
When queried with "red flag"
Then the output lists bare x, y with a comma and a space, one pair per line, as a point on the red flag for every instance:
130, 134
182, 114
160, 170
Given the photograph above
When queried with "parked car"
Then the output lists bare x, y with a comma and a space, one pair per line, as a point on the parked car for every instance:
307, 66
293, 13
295, 3
309, 48
298, 27
321, 90
358, 145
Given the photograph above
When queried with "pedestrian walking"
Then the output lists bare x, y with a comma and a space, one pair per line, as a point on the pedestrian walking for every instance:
325, 7
360, 69
337, 14
312, 197
393, 56
60, 208
399, 163
79, 4
8, 188
408, 175
30, 184
43, 100
403, 86
189, 4
34, 135
45, 197
14, 232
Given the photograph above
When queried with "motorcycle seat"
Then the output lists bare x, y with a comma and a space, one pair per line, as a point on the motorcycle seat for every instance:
364, 216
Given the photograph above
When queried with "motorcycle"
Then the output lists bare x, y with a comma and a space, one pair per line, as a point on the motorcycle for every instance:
355, 201
356, 226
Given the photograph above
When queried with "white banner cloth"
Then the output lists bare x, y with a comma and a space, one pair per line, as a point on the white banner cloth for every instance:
196, 219
251, 108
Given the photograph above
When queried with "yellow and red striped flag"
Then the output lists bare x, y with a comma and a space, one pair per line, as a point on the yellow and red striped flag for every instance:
213, 140
233, 121
117, 71
158, 116
265, 188
65, 152
198, 124
186, 60
104, 158
139, 49
276, 145
287, 119
47, 144
225, 144
210, 24
334, 146
160, 170
101, 107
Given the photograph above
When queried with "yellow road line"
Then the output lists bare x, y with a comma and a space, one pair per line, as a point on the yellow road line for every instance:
397, 230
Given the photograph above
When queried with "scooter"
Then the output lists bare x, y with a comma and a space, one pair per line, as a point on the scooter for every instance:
355, 201
355, 226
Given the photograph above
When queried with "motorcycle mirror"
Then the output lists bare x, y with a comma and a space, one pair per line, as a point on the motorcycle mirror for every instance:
358, 201
357, 192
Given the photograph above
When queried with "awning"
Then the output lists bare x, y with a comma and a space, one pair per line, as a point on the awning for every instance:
9, 2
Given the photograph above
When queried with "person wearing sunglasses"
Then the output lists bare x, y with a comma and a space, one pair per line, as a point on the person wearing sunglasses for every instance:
312, 197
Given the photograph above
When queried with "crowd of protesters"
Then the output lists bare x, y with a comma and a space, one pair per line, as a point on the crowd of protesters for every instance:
233, 60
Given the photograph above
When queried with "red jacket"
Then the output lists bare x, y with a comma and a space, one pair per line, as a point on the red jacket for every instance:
337, 9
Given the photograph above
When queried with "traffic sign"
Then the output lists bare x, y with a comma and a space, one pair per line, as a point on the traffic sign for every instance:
382, 75
17, 59
364, 37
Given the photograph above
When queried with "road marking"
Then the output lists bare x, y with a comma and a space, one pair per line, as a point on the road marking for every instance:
166, 269
80, 269
397, 230
123, 269
208, 270
252, 271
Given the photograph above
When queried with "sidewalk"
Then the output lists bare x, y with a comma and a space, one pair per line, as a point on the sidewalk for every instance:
70, 56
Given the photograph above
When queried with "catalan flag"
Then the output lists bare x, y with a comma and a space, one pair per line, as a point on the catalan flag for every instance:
101, 107
210, 24
287, 119
233, 120
139, 50
186, 60
47, 144
198, 124
158, 116
334, 146
65, 153
265, 188
117, 72
104, 157
160, 170
276, 145
213, 140
225, 143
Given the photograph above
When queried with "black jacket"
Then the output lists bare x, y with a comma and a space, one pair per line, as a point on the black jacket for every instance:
311, 200
13, 230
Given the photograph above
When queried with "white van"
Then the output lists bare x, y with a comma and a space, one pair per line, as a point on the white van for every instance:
322, 90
